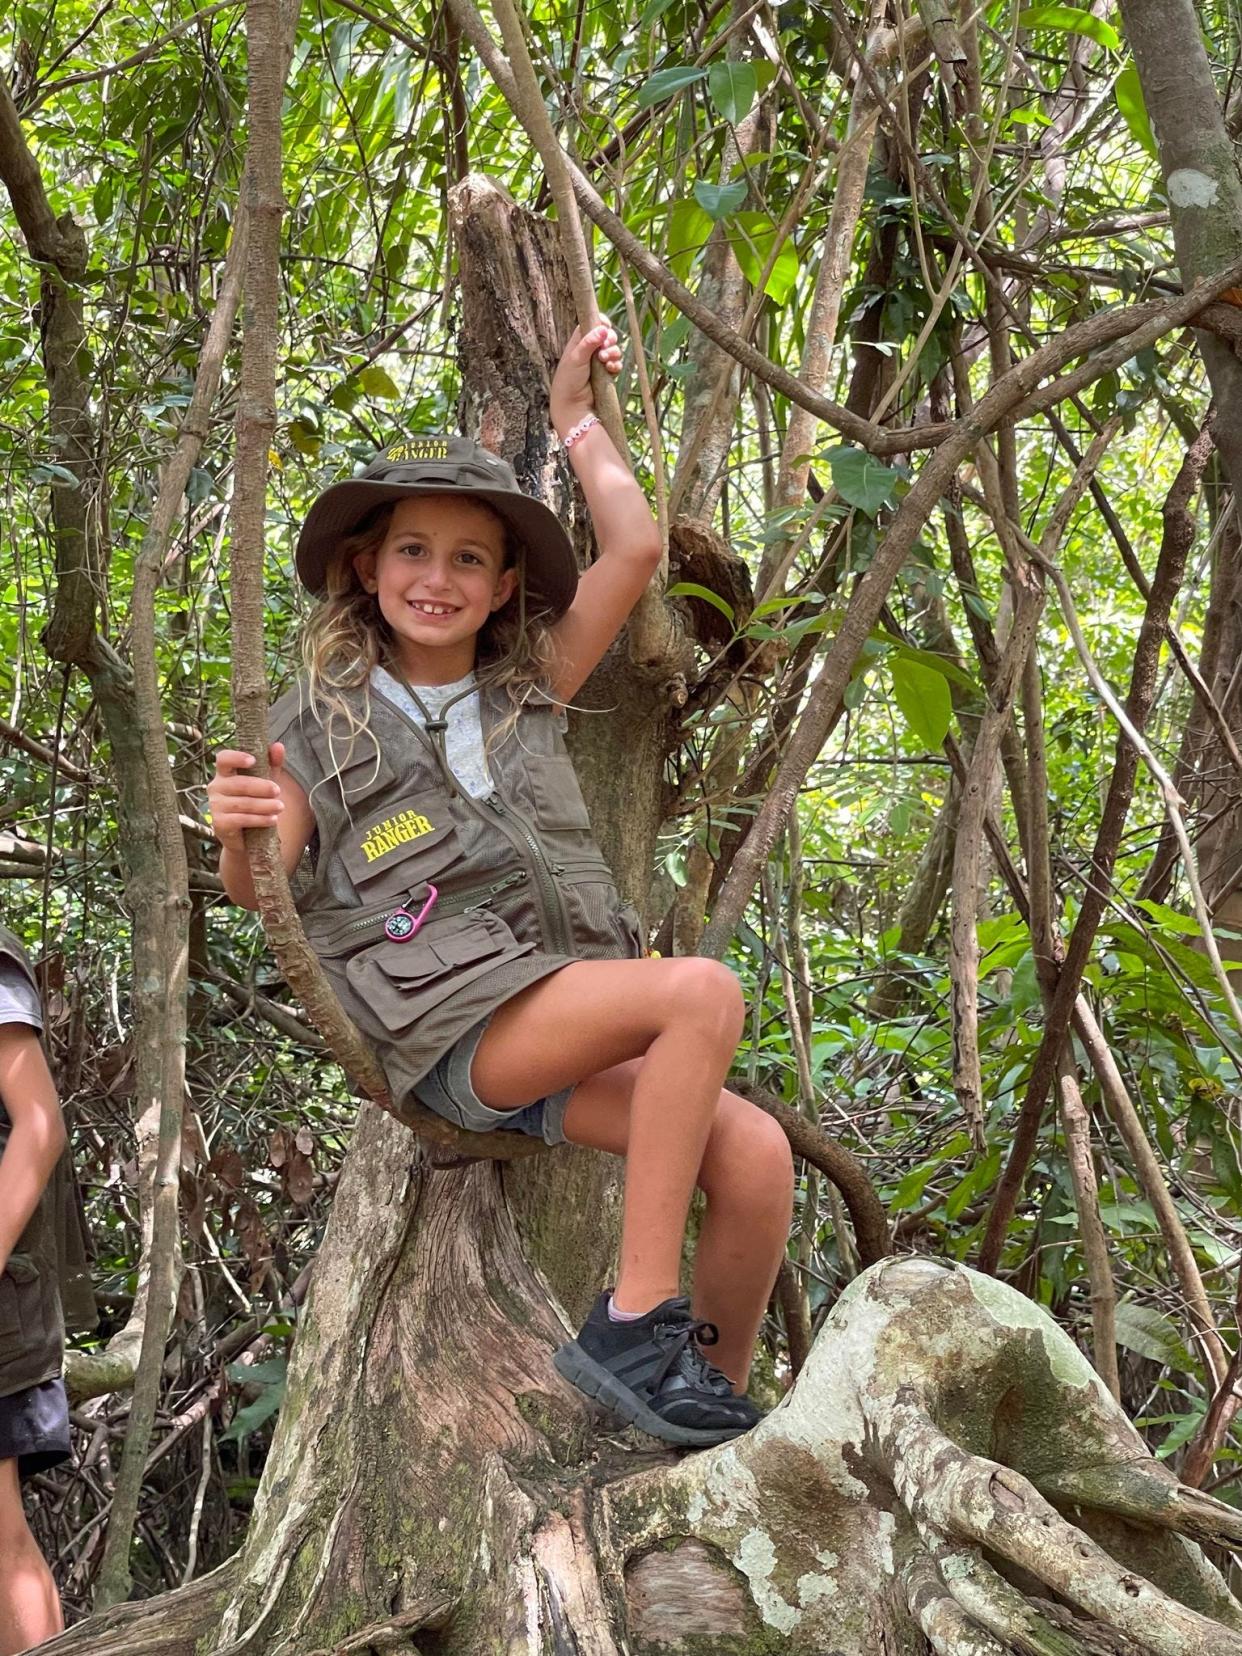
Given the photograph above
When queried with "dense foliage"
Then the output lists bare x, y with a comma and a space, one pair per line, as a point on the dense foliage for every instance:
139, 134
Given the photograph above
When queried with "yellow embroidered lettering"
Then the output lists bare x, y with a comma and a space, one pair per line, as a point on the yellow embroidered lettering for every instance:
382, 837
419, 448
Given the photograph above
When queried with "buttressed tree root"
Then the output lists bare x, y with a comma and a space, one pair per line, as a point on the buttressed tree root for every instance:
948, 1475
946, 1438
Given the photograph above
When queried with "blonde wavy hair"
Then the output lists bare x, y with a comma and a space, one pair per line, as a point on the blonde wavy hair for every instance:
346, 635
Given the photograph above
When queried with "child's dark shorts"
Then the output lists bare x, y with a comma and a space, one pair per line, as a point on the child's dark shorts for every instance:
447, 1089
34, 1427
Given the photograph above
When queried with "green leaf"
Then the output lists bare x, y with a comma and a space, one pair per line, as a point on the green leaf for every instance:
1148, 1332
378, 382
47, 471
979, 1178
928, 658
1028, 117
719, 200
923, 697
1168, 919
861, 480
691, 589
1183, 1430
665, 83
910, 1190
258, 1374
751, 236
688, 228
675, 866
1069, 20
1002, 943
733, 88
652, 12
771, 606
1128, 91
250, 1418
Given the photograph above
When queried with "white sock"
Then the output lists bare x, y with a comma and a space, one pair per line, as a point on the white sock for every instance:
622, 1316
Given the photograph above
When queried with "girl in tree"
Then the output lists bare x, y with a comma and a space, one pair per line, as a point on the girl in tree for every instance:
462, 909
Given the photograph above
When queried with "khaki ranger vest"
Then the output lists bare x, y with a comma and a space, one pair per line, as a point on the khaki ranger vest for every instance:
47, 1262
521, 888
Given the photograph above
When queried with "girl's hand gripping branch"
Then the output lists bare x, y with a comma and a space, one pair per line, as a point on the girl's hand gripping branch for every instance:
238, 801
571, 399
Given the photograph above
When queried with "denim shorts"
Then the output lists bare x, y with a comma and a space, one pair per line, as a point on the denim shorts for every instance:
34, 1427
447, 1089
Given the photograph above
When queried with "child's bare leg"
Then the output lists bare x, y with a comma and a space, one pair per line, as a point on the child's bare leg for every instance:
683, 1019
29, 1605
747, 1176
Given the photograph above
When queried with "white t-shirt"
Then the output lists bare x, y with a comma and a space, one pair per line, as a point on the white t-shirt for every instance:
18, 1001
463, 740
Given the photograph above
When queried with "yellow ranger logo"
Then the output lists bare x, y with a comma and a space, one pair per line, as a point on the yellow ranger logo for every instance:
383, 837
419, 448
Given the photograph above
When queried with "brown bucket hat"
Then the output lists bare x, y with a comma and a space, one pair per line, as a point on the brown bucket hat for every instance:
445, 465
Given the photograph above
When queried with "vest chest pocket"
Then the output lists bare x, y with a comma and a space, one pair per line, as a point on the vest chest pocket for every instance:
558, 798
390, 852
400, 983
364, 771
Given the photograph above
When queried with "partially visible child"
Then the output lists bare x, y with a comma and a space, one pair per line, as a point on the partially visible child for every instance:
34, 1413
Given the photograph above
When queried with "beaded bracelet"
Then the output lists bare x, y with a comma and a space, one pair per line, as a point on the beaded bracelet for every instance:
580, 430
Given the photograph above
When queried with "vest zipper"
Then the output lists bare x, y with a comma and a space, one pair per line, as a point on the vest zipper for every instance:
550, 894
460, 903
556, 928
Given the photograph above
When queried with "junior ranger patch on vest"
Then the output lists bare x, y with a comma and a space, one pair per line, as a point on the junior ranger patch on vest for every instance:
508, 889
382, 837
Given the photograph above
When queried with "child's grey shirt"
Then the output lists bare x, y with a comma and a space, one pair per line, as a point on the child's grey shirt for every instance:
18, 1001
463, 740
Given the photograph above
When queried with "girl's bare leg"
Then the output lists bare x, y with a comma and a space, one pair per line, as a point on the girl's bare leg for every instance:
29, 1605
681, 1019
747, 1176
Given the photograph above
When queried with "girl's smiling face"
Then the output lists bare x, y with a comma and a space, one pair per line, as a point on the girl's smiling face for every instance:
437, 575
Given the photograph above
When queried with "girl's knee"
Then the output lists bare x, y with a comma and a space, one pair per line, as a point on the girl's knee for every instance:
748, 1156
771, 1155
708, 993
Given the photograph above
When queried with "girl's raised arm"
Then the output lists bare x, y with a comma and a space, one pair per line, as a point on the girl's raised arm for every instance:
625, 531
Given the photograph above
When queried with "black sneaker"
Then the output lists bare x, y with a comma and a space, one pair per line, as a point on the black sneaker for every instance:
651, 1372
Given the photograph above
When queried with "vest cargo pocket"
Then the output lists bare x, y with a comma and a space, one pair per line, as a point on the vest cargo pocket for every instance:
364, 771
21, 1325
398, 984
629, 929
554, 788
390, 853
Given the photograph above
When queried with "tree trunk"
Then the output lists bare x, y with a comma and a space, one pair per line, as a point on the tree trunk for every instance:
434, 1487
1205, 206
516, 316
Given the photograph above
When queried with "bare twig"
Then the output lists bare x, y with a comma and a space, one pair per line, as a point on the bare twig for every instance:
1221, 1412
1179, 530
1076, 1123
44, 754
